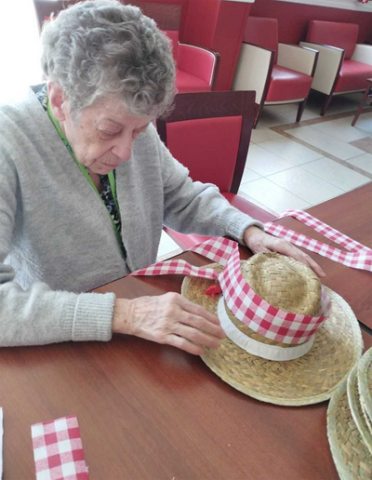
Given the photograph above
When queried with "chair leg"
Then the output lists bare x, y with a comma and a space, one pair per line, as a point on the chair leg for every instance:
326, 104
300, 110
257, 114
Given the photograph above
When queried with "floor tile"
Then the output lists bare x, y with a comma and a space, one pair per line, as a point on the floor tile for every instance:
362, 161
337, 175
264, 162
325, 142
364, 123
305, 185
293, 152
364, 143
249, 175
340, 129
259, 135
271, 196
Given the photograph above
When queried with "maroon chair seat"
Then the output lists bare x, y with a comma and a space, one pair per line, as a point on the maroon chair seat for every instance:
195, 66
287, 84
352, 76
278, 72
185, 82
209, 133
343, 64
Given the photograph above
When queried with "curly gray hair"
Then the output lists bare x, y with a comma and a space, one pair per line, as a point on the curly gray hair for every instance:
102, 47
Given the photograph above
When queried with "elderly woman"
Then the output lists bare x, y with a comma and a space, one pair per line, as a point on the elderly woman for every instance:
86, 185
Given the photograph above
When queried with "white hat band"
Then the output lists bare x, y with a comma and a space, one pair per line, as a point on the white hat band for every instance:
250, 345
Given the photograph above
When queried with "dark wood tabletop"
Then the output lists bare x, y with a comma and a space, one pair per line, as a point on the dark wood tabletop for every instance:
152, 412
351, 214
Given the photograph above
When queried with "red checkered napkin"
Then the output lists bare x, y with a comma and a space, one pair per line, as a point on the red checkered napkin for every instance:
58, 450
247, 306
356, 255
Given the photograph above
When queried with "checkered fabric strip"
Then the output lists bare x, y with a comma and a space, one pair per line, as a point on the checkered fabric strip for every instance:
58, 450
218, 249
177, 267
325, 229
358, 256
261, 317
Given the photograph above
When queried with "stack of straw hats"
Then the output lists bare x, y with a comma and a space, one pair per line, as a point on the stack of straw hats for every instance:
349, 423
287, 371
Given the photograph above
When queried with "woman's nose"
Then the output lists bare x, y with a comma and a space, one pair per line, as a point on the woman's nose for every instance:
123, 148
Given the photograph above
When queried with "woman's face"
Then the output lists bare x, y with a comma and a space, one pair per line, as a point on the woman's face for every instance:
102, 135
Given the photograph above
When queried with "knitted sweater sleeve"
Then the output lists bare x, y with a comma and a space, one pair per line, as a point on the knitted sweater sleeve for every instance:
195, 207
40, 315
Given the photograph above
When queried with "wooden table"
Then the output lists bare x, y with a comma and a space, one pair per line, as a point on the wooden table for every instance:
351, 214
151, 412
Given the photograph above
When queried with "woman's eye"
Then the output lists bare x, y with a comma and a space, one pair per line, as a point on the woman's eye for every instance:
107, 134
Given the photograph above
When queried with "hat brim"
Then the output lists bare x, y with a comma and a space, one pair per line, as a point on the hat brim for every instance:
365, 384
350, 454
359, 417
306, 380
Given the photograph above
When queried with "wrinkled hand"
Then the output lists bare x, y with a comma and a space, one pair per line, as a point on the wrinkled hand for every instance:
259, 241
170, 319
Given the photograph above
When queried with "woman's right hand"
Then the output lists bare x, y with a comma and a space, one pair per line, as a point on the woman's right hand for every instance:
169, 319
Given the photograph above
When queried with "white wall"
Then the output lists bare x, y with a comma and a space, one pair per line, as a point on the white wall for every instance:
19, 45
343, 4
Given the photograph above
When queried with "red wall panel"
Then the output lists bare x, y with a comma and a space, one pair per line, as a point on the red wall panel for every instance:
293, 18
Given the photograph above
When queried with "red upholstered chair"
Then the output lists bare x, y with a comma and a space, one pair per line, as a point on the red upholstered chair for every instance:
343, 65
195, 66
209, 132
278, 72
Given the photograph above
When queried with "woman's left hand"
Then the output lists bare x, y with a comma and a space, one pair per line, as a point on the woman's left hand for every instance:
259, 241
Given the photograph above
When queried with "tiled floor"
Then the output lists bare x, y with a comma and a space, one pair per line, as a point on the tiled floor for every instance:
300, 165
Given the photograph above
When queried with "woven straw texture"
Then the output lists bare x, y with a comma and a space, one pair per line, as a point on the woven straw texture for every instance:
284, 282
365, 385
304, 381
356, 409
351, 456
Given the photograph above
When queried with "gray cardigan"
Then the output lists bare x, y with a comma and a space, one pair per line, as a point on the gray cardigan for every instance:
56, 236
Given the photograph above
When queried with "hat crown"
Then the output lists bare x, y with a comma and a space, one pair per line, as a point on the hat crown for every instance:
284, 282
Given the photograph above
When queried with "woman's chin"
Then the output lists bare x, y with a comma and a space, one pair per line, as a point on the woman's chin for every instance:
102, 169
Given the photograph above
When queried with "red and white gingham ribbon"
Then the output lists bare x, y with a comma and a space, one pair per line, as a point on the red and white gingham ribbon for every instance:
357, 255
58, 450
251, 309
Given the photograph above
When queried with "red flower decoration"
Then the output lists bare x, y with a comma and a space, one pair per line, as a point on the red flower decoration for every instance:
213, 290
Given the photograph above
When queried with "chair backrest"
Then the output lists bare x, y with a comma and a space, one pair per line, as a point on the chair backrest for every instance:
337, 34
173, 35
209, 133
263, 32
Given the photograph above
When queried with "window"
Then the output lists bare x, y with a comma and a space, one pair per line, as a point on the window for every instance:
19, 45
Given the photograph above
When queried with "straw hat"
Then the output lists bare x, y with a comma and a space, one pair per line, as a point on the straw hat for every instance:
317, 365
365, 387
349, 434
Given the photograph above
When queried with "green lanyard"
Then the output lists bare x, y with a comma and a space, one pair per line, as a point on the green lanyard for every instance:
84, 169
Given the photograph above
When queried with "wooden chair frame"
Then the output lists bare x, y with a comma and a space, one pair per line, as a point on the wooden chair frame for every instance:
198, 105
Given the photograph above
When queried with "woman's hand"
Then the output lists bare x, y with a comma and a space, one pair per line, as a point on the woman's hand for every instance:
259, 241
170, 319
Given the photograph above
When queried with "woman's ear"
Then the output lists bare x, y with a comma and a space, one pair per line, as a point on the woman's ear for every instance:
56, 100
